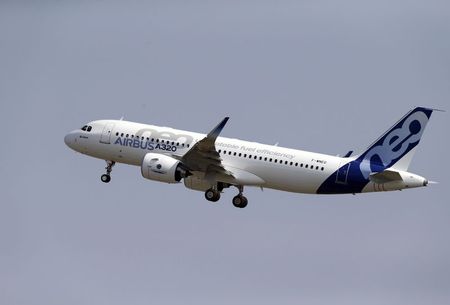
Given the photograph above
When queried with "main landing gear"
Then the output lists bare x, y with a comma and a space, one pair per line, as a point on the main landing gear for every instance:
239, 201
107, 177
212, 195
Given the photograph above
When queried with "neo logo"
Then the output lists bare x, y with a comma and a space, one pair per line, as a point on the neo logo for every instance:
395, 144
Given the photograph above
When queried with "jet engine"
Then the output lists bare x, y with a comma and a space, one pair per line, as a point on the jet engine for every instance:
163, 168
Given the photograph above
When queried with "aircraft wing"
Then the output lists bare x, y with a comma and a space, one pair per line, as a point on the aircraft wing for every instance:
203, 155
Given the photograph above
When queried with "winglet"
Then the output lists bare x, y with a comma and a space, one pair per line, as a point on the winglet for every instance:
213, 134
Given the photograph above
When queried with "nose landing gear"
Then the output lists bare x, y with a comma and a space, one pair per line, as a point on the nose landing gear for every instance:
107, 177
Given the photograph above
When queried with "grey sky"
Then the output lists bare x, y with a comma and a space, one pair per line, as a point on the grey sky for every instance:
326, 76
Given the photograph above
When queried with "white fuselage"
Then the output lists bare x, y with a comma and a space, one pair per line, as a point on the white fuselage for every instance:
266, 166
279, 168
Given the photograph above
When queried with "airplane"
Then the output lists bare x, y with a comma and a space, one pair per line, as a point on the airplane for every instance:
209, 163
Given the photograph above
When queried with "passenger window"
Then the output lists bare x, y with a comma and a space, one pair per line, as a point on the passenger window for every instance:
265, 159
296, 164
275, 161
301, 165
220, 151
255, 157
121, 134
245, 155
322, 168
117, 134
249, 156
270, 160
291, 163
306, 166
229, 153
157, 140
317, 168
127, 135
240, 155
234, 154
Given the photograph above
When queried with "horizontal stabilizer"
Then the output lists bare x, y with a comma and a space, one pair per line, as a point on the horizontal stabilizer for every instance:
385, 176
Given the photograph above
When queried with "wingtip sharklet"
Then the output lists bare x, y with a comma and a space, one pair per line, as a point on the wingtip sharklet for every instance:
213, 134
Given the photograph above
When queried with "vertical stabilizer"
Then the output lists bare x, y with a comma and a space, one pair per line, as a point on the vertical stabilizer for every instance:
396, 147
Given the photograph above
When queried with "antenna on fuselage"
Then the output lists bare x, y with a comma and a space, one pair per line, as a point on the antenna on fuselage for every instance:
121, 119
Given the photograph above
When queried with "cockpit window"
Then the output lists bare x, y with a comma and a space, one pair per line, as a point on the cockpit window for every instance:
86, 128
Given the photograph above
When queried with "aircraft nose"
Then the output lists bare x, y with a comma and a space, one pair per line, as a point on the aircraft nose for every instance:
69, 139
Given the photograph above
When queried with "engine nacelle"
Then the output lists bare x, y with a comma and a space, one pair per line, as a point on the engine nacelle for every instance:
162, 168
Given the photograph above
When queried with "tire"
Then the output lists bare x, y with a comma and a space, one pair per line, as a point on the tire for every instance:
240, 201
105, 178
212, 195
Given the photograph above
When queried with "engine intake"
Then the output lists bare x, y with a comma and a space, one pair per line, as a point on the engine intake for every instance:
163, 168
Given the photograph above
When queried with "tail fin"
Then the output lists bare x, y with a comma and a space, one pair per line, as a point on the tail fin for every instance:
396, 147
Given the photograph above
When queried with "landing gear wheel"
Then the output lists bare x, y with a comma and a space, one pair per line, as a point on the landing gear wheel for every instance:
240, 201
105, 178
212, 195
